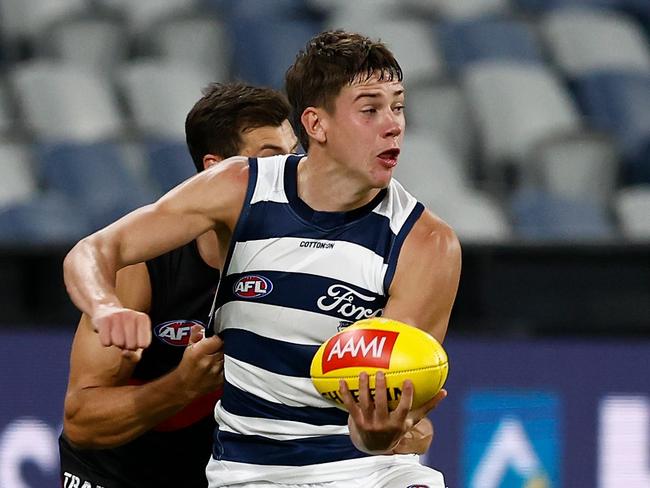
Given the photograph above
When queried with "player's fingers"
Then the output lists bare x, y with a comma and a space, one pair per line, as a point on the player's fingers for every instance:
133, 356
117, 334
210, 346
129, 325
427, 407
381, 400
405, 402
104, 331
143, 330
365, 398
346, 397
196, 334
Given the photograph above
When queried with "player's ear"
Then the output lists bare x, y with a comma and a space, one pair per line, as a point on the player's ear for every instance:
211, 160
315, 124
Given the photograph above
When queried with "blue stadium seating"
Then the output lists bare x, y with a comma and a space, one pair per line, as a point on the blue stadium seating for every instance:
169, 163
264, 50
544, 217
619, 103
94, 176
467, 42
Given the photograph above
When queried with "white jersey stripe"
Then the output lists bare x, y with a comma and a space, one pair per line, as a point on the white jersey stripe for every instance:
297, 255
291, 325
287, 390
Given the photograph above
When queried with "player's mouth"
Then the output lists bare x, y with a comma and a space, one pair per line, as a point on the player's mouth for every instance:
389, 157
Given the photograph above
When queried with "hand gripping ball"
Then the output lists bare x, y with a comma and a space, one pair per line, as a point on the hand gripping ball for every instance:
399, 350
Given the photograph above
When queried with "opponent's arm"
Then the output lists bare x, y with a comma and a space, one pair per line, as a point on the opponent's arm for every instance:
101, 410
210, 200
422, 294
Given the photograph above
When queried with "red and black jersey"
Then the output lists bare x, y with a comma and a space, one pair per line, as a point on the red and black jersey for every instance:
175, 452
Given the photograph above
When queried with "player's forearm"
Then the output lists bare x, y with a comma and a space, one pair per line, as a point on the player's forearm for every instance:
102, 417
89, 272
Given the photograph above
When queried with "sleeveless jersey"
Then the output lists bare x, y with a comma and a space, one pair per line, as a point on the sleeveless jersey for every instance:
175, 452
294, 277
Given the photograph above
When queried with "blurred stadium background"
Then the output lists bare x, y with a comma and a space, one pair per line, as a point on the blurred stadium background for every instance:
528, 131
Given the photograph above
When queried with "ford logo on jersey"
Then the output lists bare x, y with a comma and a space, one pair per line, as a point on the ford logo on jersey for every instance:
176, 332
252, 286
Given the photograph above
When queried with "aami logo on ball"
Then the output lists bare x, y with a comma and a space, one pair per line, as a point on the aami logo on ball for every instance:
176, 332
359, 348
252, 286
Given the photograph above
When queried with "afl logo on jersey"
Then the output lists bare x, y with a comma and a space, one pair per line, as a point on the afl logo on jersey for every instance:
252, 286
176, 332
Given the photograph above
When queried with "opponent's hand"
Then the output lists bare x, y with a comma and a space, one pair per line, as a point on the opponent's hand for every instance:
201, 368
373, 428
123, 328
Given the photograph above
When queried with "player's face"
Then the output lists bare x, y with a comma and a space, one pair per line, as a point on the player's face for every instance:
268, 141
367, 129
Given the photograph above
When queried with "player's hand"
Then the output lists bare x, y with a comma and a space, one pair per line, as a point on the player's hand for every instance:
373, 428
418, 439
201, 369
123, 328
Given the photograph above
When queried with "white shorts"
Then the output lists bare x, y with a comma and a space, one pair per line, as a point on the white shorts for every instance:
398, 471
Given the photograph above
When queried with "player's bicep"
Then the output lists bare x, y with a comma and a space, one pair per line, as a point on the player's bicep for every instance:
204, 202
426, 279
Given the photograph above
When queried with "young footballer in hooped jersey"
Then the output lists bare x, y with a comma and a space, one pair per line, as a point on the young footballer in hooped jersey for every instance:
383, 248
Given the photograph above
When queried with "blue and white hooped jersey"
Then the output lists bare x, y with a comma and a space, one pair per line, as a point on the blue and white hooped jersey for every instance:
293, 278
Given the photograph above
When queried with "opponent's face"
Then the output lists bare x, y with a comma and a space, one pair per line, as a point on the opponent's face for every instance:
364, 133
268, 141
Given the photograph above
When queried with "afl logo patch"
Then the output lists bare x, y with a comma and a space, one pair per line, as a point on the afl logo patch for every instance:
252, 286
176, 332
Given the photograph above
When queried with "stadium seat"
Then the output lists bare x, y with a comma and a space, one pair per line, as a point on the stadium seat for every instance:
411, 40
23, 20
427, 168
515, 106
17, 179
538, 6
467, 42
460, 9
632, 205
62, 102
159, 95
431, 173
540, 216
583, 41
442, 110
619, 103
97, 42
143, 14
50, 219
94, 177
169, 163
583, 166
264, 50
475, 216
198, 40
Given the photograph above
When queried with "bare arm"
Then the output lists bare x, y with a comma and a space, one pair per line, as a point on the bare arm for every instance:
101, 409
422, 294
209, 200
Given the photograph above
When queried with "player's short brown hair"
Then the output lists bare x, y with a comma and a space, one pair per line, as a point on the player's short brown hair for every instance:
217, 120
330, 61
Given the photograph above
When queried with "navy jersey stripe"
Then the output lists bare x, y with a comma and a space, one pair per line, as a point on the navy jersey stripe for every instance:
276, 356
397, 245
268, 220
261, 450
238, 402
303, 291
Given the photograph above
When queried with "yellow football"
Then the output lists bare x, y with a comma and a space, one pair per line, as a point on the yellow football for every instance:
399, 350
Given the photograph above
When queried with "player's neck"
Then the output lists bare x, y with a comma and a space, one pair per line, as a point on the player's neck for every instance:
325, 187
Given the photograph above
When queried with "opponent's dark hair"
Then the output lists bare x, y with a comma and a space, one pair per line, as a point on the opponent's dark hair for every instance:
330, 61
215, 123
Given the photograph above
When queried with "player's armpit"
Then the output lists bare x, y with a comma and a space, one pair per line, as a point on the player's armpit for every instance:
426, 279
